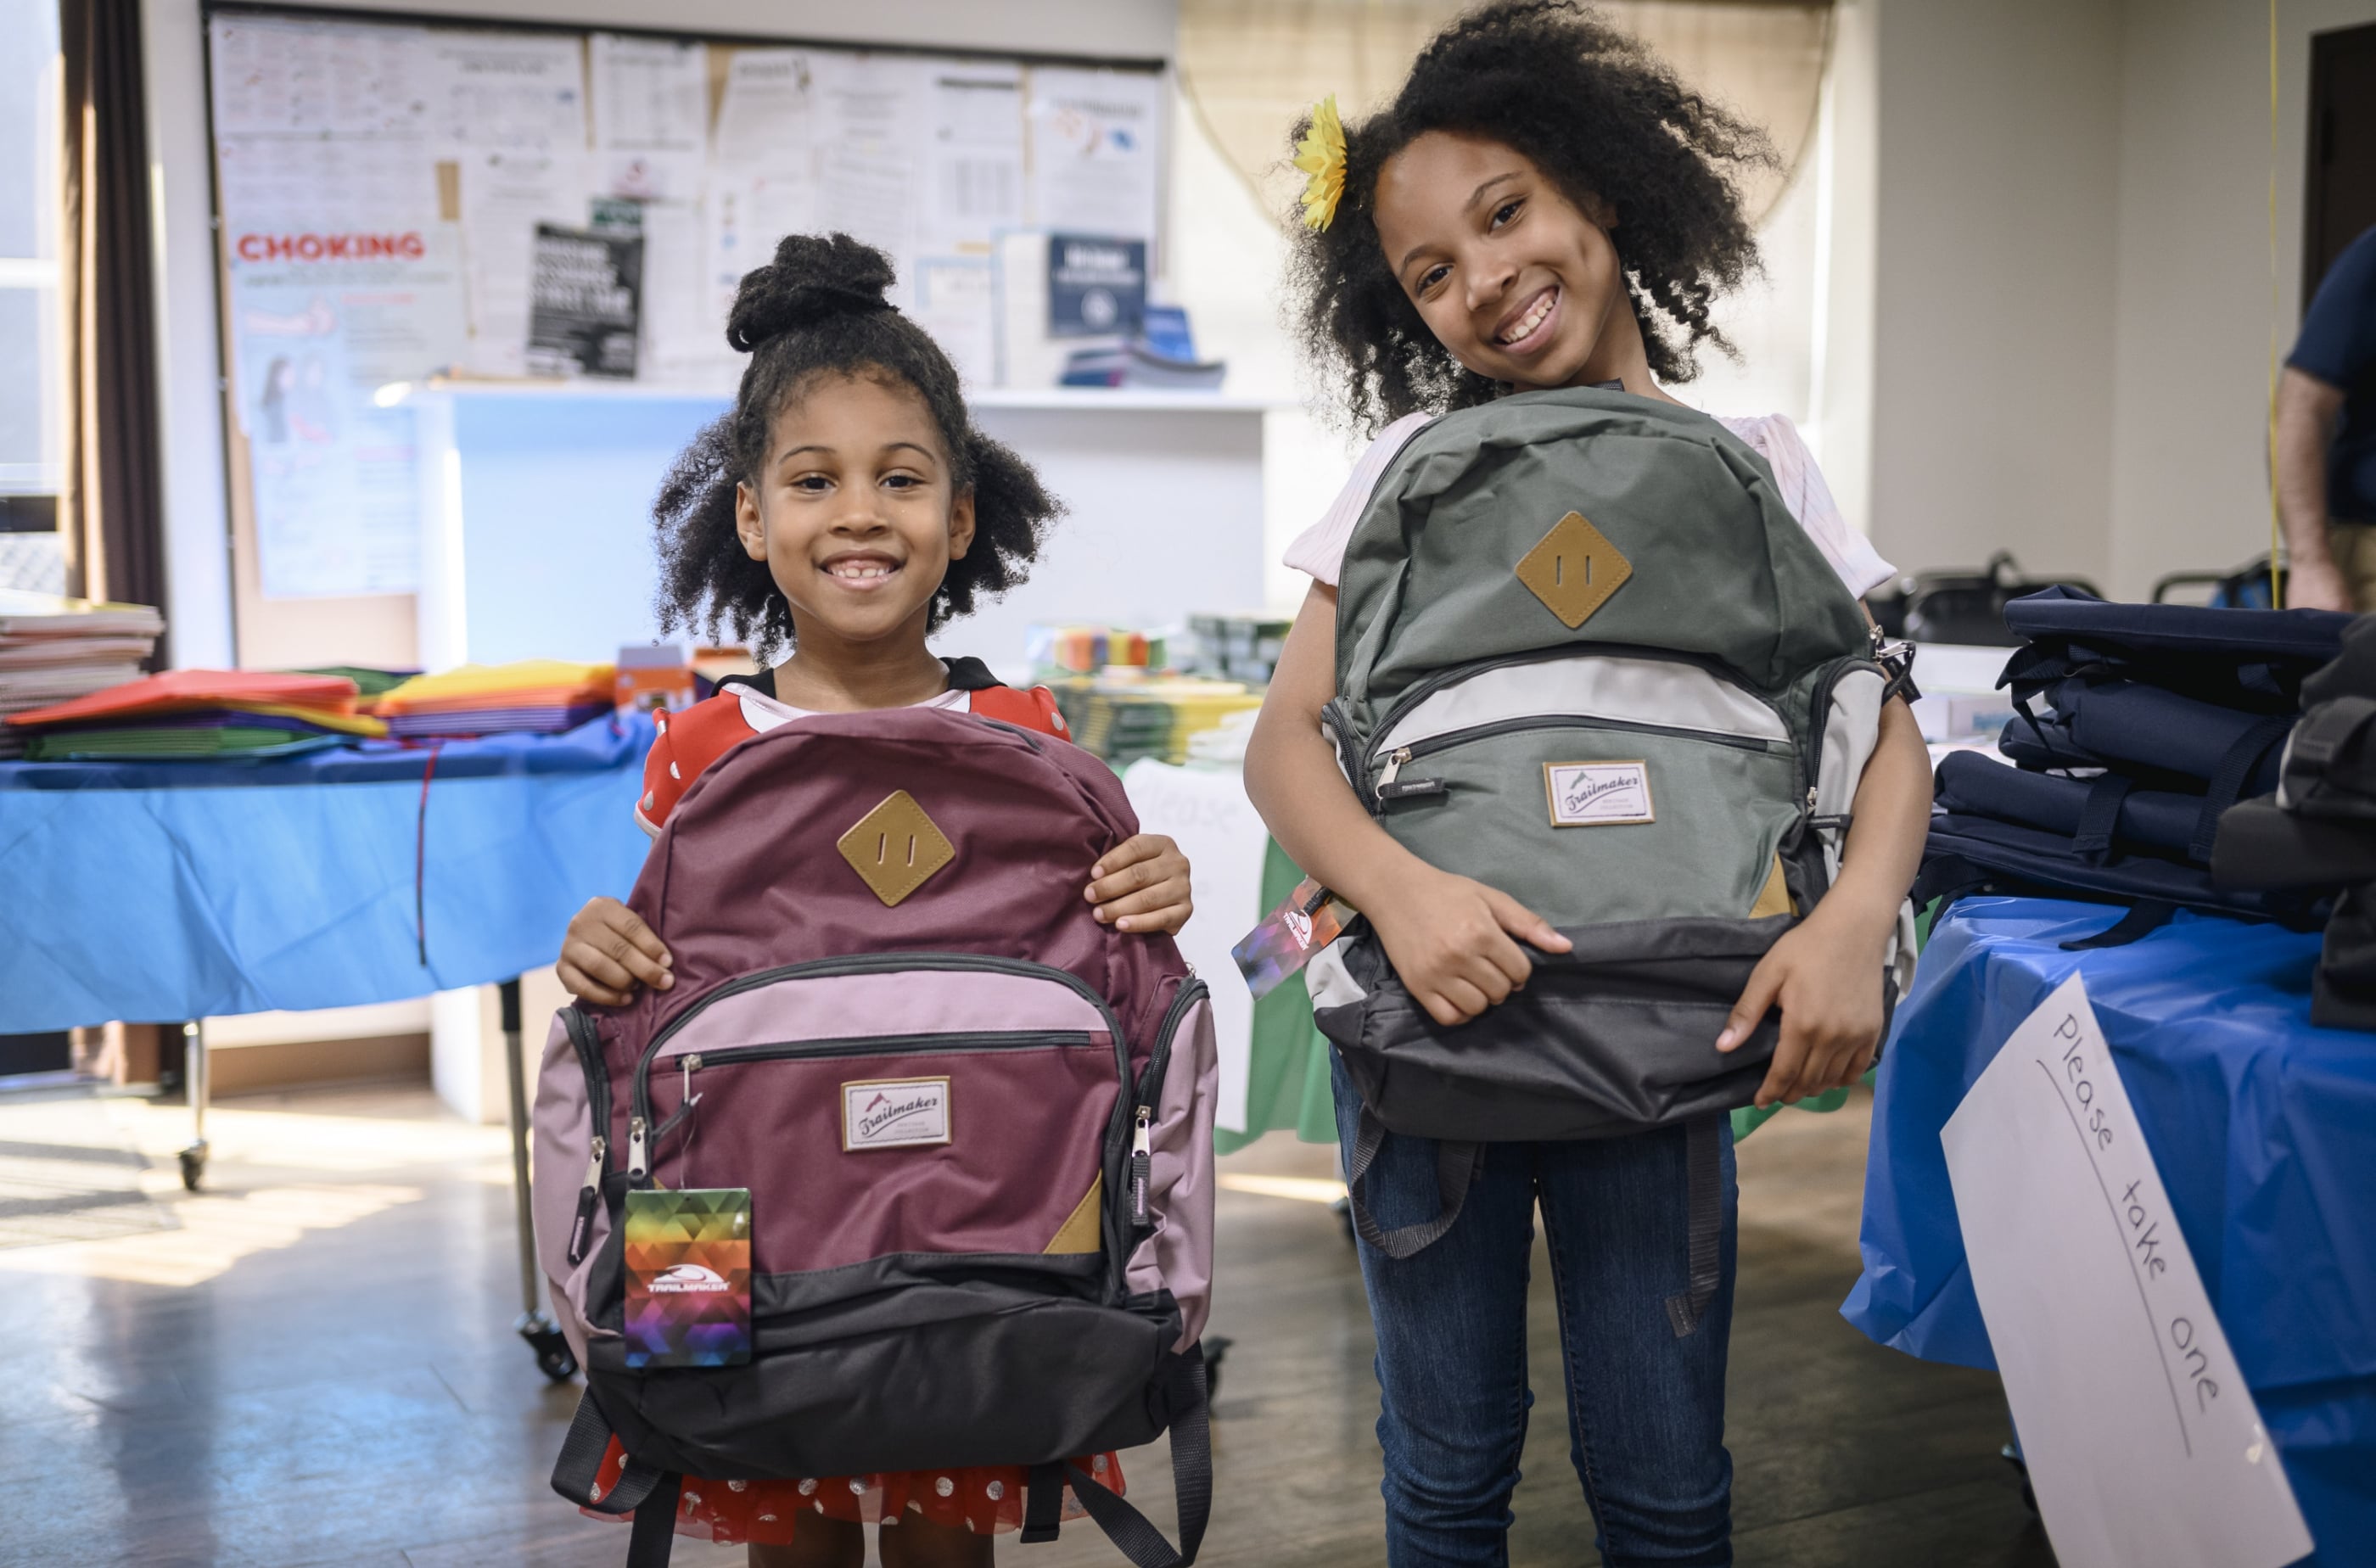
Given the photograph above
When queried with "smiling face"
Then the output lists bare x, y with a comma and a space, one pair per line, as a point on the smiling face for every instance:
855, 511
1513, 277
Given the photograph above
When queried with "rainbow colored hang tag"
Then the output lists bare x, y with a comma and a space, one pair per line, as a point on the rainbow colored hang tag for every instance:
1308, 919
689, 1277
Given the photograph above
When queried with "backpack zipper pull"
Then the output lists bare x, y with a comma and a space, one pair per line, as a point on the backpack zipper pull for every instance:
1142, 1159
637, 1127
581, 1229
1393, 767
690, 1066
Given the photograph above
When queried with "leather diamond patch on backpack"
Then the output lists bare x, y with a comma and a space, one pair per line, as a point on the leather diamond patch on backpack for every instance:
895, 848
1574, 570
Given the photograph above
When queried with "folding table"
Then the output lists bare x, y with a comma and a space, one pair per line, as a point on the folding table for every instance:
2262, 1127
173, 892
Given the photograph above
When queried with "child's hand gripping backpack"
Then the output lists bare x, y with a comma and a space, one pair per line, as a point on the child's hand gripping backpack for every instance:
1586, 655
975, 1127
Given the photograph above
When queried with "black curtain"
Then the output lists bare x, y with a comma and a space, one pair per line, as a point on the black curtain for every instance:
111, 513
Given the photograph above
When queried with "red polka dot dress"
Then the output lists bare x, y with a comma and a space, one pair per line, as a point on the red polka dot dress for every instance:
984, 1499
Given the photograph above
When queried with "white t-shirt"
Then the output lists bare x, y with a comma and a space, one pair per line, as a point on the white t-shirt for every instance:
1320, 549
763, 713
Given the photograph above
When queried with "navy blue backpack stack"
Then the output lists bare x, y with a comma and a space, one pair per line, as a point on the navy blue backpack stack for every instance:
2316, 834
2137, 726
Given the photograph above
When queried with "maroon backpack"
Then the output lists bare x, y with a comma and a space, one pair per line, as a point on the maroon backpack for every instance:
976, 1126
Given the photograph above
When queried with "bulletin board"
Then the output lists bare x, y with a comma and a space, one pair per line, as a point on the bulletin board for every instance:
380, 182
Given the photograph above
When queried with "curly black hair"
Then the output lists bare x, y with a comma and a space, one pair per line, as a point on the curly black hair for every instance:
1601, 116
819, 310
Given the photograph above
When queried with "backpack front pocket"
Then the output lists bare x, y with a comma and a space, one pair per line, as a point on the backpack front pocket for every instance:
1595, 789
981, 1115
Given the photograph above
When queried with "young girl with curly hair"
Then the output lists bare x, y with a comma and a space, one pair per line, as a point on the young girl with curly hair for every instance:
1543, 204
846, 507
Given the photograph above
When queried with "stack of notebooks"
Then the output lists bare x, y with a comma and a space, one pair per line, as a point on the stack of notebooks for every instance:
197, 714
1123, 715
534, 696
54, 648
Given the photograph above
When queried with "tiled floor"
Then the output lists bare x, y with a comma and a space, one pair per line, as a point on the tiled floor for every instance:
316, 1365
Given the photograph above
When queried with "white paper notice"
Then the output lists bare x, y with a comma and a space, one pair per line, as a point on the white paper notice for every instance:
975, 149
505, 195
651, 117
341, 274
871, 147
275, 76
1093, 152
956, 302
333, 474
2143, 1444
507, 90
763, 184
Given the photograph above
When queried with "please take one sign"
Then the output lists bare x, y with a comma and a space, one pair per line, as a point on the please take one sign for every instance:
2143, 1444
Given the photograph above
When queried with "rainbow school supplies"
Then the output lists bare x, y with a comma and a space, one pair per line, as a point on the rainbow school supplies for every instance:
533, 696
197, 714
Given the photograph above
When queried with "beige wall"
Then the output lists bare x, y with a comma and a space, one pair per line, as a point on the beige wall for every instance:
2070, 309
1847, 176
2190, 480
1996, 167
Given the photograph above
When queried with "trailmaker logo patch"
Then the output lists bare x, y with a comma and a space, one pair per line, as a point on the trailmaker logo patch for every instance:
895, 1113
1597, 794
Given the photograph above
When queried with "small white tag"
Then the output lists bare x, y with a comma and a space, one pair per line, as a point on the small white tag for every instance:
895, 1113
1595, 794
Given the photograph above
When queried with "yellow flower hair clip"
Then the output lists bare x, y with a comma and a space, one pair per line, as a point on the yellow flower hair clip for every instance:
1321, 154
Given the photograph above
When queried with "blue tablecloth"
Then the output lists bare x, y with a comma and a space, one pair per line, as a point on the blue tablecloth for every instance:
156, 892
2263, 1129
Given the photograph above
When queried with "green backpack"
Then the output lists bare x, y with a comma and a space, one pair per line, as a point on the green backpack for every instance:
1586, 655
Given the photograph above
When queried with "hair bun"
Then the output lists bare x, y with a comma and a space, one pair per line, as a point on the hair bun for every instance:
814, 277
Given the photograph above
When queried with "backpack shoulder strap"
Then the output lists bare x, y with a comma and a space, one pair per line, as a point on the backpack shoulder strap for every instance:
1033, 710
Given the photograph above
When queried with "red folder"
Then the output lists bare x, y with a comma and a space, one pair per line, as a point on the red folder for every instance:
184, 688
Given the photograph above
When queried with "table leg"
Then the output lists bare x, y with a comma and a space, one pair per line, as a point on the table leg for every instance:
194, 1082
553, 1357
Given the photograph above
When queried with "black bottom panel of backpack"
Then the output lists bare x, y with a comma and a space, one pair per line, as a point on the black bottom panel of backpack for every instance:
1021, 1379
1617, 1037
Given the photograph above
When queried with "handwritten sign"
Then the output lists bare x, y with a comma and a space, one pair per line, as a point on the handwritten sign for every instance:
2142, 1443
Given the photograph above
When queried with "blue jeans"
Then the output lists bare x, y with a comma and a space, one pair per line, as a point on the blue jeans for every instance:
1645, 1408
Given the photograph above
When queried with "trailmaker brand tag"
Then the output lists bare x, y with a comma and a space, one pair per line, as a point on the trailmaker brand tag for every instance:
1306, 920
688, 1257
1597, 794
895, 1113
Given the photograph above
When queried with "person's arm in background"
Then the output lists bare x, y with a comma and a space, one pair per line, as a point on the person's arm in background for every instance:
2307, 411
1454, 942
2335, 349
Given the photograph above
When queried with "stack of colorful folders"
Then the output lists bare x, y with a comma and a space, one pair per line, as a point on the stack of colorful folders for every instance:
54, 648
197, 714
535, 695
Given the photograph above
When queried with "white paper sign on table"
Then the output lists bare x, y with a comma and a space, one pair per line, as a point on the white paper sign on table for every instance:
2143, 1444
1206, 812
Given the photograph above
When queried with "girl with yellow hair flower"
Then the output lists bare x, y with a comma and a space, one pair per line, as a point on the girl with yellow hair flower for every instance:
1543, 204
